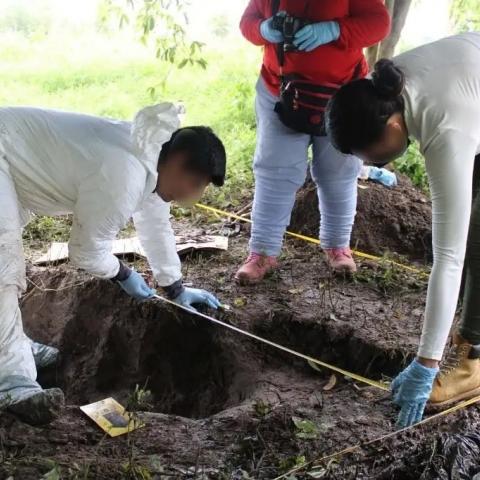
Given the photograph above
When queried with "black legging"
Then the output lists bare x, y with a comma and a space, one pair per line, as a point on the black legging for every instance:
470, 323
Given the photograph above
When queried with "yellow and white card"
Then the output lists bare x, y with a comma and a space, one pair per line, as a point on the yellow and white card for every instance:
111, 417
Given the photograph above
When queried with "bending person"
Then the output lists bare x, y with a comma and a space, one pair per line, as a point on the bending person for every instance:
104, 172
431, 94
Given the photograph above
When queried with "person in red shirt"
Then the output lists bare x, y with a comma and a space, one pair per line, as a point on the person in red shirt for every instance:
327, 52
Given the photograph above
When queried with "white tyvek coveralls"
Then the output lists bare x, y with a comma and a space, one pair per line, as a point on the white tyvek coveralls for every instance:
104, 172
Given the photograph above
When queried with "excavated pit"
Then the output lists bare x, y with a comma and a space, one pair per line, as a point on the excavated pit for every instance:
111, 344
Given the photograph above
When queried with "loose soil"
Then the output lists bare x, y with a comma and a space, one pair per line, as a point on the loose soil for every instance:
223, 406
395, 220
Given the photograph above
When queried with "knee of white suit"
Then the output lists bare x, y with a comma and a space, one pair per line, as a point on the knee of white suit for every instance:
16, 357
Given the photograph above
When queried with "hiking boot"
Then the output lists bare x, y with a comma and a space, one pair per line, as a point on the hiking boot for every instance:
340, 260
41, 408
255, 269
459, 376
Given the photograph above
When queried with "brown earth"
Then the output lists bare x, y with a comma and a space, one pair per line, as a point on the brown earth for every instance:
223, 406
395, 220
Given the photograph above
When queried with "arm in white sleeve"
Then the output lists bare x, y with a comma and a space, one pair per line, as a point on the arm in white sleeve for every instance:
104, 204
450, 162
158, 240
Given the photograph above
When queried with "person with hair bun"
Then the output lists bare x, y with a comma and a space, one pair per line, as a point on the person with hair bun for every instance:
430, 94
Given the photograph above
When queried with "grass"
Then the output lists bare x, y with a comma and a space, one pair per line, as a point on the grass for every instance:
111, 76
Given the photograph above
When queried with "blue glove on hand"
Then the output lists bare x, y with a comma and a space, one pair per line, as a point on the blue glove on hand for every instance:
316, 34
269, 33
411, 390
383, 176
136, 287
191, 296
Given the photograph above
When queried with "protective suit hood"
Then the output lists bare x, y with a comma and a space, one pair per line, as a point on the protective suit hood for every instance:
152, 127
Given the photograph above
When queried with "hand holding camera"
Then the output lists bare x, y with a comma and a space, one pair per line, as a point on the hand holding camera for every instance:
297, 34
269, 31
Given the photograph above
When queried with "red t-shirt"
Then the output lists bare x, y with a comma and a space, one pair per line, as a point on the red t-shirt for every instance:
362, 23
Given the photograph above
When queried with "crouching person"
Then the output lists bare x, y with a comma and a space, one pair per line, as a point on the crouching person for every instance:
104, 172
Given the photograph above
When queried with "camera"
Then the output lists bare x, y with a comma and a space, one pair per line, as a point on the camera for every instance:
289, 26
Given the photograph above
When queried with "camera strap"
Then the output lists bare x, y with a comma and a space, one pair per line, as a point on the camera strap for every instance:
280, 47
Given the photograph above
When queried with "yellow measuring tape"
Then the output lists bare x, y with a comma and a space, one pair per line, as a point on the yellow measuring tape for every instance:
315, 241
346, 373
317, 462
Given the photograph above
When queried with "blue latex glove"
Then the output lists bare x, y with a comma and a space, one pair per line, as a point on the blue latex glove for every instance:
316, 34
191, 296
269, 33
383, 176
411, 390
136, 287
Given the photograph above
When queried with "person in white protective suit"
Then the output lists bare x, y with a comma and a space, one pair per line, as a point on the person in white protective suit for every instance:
104, 172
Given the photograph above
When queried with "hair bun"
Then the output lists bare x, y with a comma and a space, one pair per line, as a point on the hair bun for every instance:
388, 79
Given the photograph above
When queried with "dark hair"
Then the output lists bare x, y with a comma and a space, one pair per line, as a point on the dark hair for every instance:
206, 152
356, 116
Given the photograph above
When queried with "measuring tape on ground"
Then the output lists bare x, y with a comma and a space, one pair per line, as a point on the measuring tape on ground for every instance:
346, 373
315, 241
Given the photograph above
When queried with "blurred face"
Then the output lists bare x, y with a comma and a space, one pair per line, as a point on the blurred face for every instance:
391, 146
176, 183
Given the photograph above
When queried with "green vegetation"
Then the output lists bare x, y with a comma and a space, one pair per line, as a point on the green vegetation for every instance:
412, 164
97, 68
466, 15
99, 75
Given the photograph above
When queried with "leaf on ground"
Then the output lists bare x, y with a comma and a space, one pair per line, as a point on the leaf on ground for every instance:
306, 429
331, 383
295, 291
239, 302
317, 473
52, 475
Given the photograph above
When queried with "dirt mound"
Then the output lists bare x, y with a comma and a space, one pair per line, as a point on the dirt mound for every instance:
388, 220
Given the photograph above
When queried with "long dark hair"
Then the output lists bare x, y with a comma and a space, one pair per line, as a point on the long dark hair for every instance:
357, 114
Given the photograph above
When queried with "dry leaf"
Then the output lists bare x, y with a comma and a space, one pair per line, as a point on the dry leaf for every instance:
295, 291
330, 384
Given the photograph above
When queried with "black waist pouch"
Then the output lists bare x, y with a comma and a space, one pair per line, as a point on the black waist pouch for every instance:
302, 105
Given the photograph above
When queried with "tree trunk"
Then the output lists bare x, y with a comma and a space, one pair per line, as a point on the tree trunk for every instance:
398, 11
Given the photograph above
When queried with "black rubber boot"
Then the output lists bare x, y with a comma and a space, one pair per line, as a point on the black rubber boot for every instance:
41, 408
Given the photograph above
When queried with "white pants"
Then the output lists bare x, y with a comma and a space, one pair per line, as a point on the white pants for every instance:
17, 366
